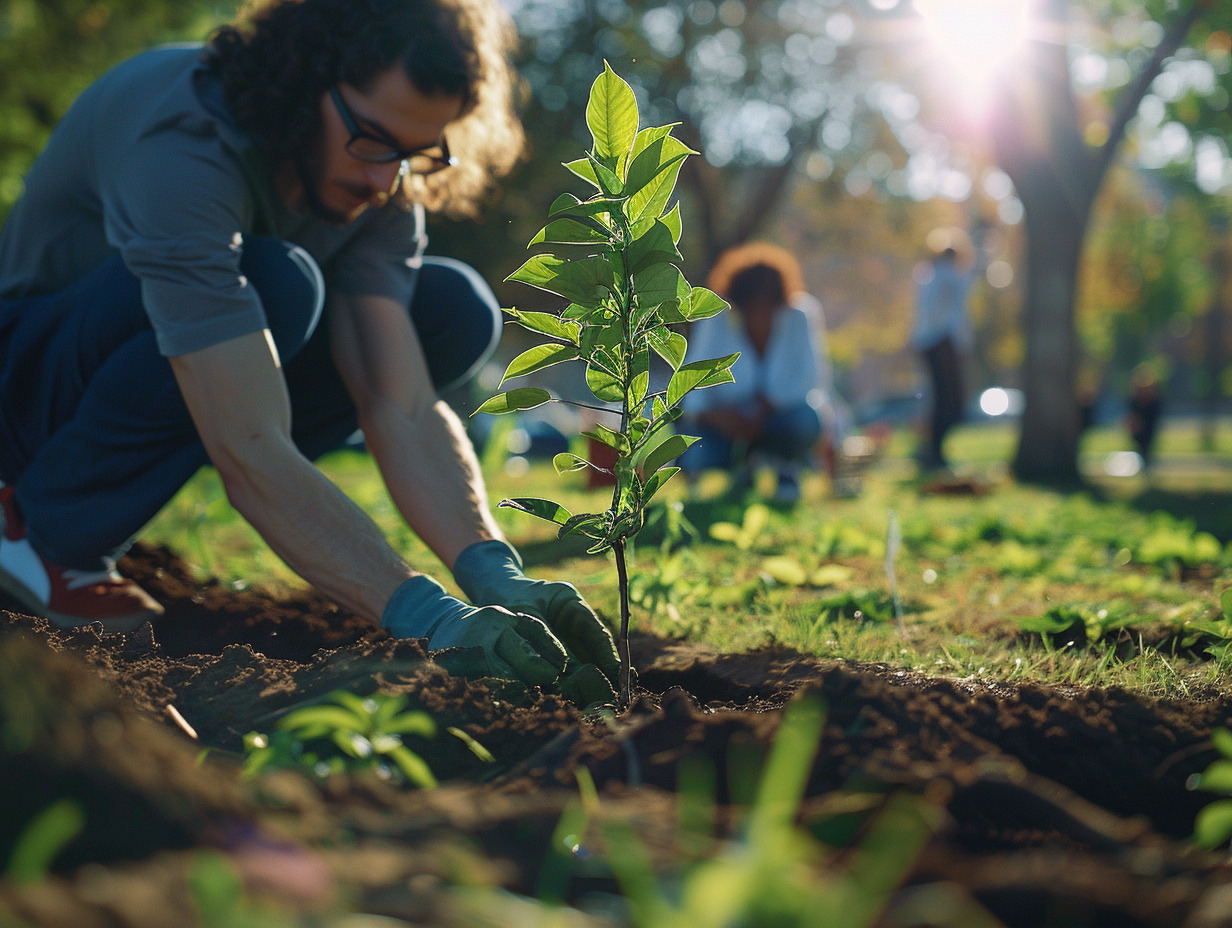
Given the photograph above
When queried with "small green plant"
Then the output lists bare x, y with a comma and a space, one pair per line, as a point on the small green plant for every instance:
1213, 826
1078, 623
1216, 632
42, 840
754, 522
625, 290
856, 606
1173, 545
351, 734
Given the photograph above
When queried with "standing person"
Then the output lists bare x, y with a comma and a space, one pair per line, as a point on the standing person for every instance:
1144, 409
771, 409
941, 333
219, 258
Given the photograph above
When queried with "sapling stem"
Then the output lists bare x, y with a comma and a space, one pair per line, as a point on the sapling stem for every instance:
622, 643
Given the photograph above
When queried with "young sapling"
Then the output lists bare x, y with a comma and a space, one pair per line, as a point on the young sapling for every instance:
620, 275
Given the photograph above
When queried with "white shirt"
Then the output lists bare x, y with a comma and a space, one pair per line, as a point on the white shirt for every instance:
941, 306
790, 370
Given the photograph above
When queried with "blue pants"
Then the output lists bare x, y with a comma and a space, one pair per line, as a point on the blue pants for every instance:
789, 434
94, 433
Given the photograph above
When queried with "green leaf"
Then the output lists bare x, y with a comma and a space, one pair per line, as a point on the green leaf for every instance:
547, 324
590, 524
660, 283
672, 220
603, 385
639, 379
538, 358
570, 232
412, 723
566, 461
413, 767
611, 116
606, 436
650, 134
651, 198
700, 374
1217, 778
669, 311
540, 508
784, 570
328, 717
609, 181
582, 280
656, 480
668, 450
1226, 602
522, 398
602, 340
656, 246
575, 311
567, 206
1213, 824
42, 840
702, 304
668, 345
652, 175
583, 168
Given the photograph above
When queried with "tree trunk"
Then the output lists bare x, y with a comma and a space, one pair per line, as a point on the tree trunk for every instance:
1048, 444
1038, 139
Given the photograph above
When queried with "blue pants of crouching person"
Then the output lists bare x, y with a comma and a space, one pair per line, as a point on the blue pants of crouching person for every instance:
789, 435
94, 433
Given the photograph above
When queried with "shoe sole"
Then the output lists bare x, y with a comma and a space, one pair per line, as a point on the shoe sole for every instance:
116, 625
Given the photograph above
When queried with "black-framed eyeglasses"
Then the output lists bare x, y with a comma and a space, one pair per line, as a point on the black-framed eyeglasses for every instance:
373, 149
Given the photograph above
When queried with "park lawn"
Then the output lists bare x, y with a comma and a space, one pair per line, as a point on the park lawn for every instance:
1138, 564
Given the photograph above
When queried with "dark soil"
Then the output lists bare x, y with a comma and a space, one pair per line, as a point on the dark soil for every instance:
1053, 806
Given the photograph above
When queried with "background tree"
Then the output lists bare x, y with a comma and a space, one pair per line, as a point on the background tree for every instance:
50, 50
1056, 132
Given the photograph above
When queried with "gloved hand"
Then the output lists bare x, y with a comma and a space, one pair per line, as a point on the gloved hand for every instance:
494, 641
490, 573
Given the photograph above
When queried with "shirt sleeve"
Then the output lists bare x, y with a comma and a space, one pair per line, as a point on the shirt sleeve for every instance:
175, 208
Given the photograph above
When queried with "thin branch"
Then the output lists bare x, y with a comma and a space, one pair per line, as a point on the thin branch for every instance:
1127, 105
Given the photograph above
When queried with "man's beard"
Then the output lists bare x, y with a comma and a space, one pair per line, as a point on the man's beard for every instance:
308, 167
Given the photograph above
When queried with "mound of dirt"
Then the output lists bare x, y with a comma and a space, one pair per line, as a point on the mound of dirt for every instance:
1051, 806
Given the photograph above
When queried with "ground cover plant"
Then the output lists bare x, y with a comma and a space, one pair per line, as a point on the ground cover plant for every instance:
971, 769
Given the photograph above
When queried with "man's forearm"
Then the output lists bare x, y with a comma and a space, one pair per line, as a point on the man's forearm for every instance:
317, 530
433, 476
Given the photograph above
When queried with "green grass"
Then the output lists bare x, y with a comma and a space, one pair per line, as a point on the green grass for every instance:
970, 573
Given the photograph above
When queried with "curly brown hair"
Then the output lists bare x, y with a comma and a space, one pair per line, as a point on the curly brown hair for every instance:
278, 58
756, 268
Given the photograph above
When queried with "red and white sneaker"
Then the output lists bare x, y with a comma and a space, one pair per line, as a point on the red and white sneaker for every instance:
67, 598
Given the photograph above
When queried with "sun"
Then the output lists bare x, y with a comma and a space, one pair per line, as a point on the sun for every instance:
975, 40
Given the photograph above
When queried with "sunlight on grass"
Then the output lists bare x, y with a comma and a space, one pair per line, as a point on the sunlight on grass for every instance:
974, 576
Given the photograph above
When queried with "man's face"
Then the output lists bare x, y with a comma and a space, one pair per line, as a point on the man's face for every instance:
338, 186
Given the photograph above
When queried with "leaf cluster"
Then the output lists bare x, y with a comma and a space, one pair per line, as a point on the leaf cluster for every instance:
620, 274
347, 733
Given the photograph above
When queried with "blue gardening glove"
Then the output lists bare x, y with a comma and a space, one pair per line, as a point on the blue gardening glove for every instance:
489, 641
490, 573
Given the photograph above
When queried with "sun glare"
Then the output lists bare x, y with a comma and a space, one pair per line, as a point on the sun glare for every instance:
975, 39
